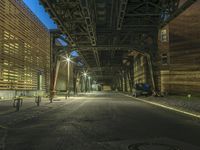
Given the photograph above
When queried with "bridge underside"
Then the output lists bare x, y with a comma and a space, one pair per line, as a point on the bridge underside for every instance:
107, 33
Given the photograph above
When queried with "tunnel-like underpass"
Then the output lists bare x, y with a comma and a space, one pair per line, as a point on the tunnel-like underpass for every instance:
108, 74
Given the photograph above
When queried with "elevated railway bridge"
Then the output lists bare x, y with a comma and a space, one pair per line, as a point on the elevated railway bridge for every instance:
81, 86
110, 34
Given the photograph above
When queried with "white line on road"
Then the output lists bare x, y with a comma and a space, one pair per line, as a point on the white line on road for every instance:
166, 107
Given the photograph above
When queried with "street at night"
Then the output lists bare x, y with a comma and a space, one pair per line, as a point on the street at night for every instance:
104, 121
99, 75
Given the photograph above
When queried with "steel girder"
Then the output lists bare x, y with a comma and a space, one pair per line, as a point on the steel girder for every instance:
103, 31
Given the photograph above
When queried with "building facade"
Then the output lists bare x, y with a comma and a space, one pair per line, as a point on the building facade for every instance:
179, 53
24, 51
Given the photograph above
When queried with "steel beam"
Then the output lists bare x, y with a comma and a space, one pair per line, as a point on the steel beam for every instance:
143, 15
96, 56
89, 21
48, 6
108, 48
105, 68
122, 12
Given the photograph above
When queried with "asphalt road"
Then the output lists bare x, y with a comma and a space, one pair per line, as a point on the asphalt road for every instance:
105, 121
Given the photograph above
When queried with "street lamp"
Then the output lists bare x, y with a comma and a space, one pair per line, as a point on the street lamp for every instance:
89, 79
85, 79
68, 59
68, 74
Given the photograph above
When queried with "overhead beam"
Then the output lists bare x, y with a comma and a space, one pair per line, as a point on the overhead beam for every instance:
89, 21
142, 15
106, 47
104, 68
122, 12
103, 76
49, 8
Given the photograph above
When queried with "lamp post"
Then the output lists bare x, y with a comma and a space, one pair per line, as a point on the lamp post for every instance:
85, 77
89, 83
68, 75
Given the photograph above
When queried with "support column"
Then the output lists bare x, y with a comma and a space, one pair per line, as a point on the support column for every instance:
82, 84
75, 76
131, 74
125, 81
54, 67
121, 79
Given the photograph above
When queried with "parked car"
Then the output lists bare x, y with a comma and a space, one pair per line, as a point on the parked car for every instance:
142, 89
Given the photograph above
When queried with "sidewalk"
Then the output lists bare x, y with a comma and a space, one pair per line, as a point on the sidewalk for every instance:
179, 102
29, 110
182, 103
6, 106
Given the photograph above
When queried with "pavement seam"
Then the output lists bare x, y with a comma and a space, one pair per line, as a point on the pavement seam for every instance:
166, 107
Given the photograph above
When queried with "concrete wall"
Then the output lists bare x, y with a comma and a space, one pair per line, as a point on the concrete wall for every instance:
181, 72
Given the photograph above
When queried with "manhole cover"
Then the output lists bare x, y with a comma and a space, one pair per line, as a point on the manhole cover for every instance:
152, 146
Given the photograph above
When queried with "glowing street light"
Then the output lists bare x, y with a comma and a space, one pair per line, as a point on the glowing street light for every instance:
68, 59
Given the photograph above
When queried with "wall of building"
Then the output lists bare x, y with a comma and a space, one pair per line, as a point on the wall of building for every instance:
24, 49
180, 69
141, 70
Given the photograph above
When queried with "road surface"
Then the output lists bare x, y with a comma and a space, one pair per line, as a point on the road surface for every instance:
104, 121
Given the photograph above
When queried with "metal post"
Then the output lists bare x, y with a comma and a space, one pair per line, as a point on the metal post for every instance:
89, 84
151, 71
85, 84
55, 81
68, 77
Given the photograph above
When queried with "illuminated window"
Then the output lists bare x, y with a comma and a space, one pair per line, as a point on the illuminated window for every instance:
164, 35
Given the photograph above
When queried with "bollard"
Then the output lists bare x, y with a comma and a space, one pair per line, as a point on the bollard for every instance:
38, 100
17, 103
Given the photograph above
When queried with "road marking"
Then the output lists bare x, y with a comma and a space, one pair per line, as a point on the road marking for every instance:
166, 107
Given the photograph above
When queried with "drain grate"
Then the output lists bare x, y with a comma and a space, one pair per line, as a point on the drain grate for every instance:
152, 146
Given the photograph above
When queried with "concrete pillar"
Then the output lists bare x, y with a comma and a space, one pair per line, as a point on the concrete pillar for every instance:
121, 83
53, 66
82, 84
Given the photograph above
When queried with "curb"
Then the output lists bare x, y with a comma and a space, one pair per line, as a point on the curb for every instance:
166, 107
